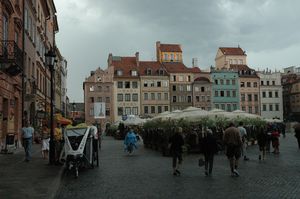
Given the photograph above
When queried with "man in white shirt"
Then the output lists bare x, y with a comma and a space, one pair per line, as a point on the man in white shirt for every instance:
243, 134
27, 133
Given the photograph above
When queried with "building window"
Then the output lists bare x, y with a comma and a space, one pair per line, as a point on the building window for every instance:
222, 94
92, 99
273, 83
152, 96
270, 107
158, 96
145, 84
234, 107
223, 106
119, 72
255, 97
159, 109
216, 81
145, 96
229, 107
189, 99
166, 96
188, 78
120, 111
202, 89
91, 111
161, 72
233, 82
188, 88
276, 107
221, 81
166, 56
262, 83
135, 97
233, 93
217, 106
243, 108
250, 109
120, 97
208, 98
149, 71
264, 107
264, 94
255, 84
99, 99
249, 98
216, 94
174, 87
107, 112
146, 111
152, 109
243, 97
256, 109
180, 87
242, 84
92, 89
174, 78
166, 108
174, 98
127, 97
127, 111
276, 94
127, 84
158, 84
197, 98
165, 83
152, 84
227, 82
228, 93
134, 73
270, 94
135, 110
248, 84
134, 85
268, 83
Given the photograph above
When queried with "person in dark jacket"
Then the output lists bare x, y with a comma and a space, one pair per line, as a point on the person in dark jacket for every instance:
297, 132
176, 142
210, 147
262, 139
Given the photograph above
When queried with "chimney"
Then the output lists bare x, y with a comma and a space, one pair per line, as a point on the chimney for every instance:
158, 51
137, 59
109, 60
195, 62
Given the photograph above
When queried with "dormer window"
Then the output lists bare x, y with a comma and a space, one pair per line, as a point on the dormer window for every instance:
149, 71
166, 56
134, 73
119, 72
172, 57
161, 72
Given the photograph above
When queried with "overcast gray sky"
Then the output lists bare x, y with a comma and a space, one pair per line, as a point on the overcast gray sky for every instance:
268, 30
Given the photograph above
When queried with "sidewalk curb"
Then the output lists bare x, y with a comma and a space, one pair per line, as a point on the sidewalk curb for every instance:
56, 183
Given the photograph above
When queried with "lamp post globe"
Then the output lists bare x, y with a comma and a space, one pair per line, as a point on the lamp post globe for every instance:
49, 59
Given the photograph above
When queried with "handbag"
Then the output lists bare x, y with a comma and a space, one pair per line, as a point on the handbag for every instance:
201, 162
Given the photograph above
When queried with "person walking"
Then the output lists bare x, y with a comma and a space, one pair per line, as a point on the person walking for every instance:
210, 147
27, 134
243, 134
176, 142
233, 143
262, 139
45, 142
275, 140
130, 141
297, 133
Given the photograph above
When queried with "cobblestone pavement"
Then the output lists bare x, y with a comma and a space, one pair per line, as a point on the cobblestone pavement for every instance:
147, 174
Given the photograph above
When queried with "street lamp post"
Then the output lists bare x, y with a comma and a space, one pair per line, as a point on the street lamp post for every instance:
50, 56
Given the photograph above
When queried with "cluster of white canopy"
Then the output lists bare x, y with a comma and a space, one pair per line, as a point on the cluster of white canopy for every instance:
193, 114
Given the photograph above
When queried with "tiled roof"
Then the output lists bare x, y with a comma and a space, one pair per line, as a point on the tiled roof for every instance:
202, 79
232, 51
126, 64
170, 48
153, 65
239, 67
195, 70
176, 67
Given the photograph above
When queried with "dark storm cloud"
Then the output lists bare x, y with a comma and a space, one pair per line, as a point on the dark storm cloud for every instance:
90, 29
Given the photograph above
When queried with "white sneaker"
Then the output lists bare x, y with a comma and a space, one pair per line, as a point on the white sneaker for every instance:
236, 173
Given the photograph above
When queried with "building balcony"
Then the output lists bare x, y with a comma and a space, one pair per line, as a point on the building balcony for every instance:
11, 57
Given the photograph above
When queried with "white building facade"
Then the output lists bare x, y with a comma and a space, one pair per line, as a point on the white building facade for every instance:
271, 95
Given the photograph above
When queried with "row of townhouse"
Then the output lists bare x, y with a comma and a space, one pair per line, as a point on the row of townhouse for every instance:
28, 29
146, 88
